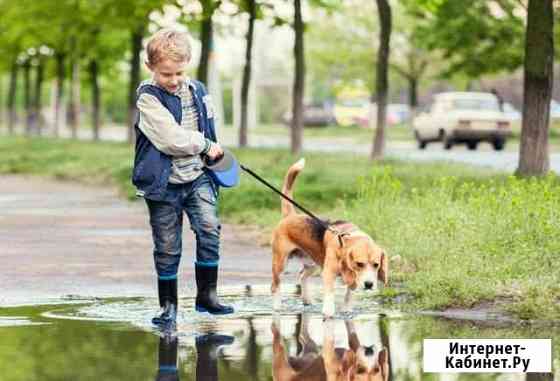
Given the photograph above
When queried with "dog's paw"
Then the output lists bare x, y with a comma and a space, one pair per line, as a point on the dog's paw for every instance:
276, 302
347, 308
328, 309
275, 325
328, 328
328, 305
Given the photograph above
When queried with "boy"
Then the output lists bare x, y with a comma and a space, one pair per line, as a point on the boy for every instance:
174, 133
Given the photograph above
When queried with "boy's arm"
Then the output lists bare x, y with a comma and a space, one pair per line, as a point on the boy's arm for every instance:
159, 126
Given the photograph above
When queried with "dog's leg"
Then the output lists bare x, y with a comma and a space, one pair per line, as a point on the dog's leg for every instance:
329, 354
305, 274
353, 341
305, 340
348, 300
281, 369
329, 277
276, 296
280, 252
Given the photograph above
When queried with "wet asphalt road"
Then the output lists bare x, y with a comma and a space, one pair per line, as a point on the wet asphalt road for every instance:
59, 239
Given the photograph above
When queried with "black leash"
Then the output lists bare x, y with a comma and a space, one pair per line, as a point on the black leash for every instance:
321, 222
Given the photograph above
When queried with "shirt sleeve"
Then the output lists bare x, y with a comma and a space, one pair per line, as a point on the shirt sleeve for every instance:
159, 126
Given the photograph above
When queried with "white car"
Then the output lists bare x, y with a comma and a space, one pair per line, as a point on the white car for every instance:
511, 112
554, 110
463, 117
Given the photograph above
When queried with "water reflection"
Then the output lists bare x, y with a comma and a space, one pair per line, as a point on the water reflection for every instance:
84, 342
167, 364
208, 351
354, 361
208, 348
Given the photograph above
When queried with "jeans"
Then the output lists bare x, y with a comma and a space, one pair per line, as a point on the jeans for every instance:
199, 200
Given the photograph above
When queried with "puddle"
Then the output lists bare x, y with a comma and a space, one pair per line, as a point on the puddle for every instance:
112, 339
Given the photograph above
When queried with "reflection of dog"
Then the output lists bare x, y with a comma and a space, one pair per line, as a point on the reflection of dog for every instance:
342, 249
356, 363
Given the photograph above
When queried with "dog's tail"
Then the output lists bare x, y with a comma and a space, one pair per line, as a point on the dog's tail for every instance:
293, 171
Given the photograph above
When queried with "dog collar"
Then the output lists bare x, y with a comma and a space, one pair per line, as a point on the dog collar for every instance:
346, 230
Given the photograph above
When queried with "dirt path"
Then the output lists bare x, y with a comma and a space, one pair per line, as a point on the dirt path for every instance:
59, 239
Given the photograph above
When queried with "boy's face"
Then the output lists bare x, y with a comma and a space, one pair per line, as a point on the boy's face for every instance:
168, 74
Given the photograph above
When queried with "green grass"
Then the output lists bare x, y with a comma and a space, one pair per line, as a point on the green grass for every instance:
465, 242
464, 235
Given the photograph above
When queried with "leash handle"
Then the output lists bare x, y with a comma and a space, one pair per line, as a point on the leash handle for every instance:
249, 171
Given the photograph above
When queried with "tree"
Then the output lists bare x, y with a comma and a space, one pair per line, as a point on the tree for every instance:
299, 82
37, 120
11, 100
409, 59
134, 16
299, 72
382, 85
251, 7
475, 37
206, 37
538, 70
344, 58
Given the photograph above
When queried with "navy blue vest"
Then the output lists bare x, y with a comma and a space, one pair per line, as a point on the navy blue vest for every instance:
152, 167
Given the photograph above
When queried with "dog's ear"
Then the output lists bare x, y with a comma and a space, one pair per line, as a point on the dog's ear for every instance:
349, 364
348, 275
342, 239
383, 272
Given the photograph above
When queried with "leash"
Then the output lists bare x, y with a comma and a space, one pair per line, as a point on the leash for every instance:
300, 207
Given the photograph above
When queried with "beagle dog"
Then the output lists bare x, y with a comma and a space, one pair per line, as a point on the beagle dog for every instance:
338, 248
331, 364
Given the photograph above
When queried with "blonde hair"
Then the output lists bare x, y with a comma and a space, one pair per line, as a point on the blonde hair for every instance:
168, 43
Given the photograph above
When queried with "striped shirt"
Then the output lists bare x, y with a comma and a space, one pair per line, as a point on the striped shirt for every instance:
189, 167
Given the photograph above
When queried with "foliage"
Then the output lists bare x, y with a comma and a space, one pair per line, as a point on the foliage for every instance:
475, 37
339, 52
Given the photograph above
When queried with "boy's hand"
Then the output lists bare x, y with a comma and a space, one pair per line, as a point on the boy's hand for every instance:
215, 151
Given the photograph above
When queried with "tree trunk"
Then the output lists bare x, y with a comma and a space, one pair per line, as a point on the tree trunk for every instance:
299, 82
247, 75
412, 97
60, 74
95, 97
386, 343
539, 58
11, 102
413, 92
27, 96
74, 98
382, 82
37, 112
206, 36
2, 101
136, 41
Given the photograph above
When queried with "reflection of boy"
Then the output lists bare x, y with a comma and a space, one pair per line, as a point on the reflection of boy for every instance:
175, 131
167, 364
207, 352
